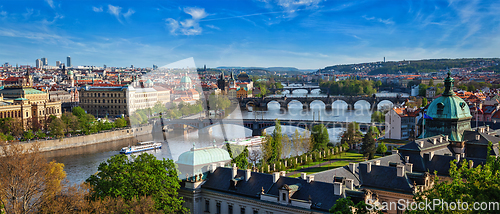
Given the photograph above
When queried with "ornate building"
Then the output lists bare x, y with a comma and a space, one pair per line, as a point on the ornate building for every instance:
447, 115
31, 106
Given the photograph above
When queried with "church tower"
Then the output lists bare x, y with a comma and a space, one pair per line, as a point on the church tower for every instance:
448, 115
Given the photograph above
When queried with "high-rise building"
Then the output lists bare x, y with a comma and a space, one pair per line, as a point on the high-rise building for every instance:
68, 61
58, 63
44, 61
38, 63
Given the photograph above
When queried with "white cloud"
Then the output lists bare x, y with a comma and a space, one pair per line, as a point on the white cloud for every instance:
97, 9
128, 13
188, 26
384, 21
51, 3
29, 12
117, 12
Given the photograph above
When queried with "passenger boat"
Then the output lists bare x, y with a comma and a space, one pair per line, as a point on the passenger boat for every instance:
249, 141
143, 146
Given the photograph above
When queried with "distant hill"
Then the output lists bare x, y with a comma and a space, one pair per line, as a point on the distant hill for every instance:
412, 66
273, 69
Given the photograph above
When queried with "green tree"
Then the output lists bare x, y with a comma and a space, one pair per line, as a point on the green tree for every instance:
71, 121
368, 146
143, 175
276, 143
381, 148
466, 184
378, 117
241, 160
296, 143
346, 206
78, 111
319, 137
422, 89
28, 135
120, 122
228, 147
431, 82
57, 127
287, 147
41, 134
424, 102
351, 135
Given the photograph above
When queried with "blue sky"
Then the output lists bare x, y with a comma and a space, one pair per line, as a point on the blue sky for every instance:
297, 33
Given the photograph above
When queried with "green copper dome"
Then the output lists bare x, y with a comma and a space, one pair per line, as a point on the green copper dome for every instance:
450, 114
203, 156
185, 79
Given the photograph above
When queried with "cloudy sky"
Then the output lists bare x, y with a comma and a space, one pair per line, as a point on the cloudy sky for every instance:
297, 33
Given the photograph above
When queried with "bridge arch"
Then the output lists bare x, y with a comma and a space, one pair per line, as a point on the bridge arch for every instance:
294, 103
362, 104
273, 104
340, 104
298, 90
317, 104
384, 104
316, 91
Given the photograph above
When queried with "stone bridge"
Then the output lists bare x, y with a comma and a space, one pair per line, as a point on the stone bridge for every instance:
261, 103
258, 125
293, 88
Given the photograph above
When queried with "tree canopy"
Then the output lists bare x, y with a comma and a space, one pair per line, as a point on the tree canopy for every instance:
368, 146
320, 137
349, 87
143, 175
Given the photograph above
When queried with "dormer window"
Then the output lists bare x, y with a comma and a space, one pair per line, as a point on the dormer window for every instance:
440, 107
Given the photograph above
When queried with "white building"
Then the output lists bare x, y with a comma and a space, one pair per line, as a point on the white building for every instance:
400, 123
140, 98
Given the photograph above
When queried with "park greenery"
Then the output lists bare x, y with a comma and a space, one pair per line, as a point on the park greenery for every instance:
351, 136
346, 206
75, 122
368, 146
350, 87
426, 66
466, 184
265, 85
31, 184
381, 148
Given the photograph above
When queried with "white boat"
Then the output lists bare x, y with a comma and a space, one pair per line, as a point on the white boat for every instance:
143, 146
249, 141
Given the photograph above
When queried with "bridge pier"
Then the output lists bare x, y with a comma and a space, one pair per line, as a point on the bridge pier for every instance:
350, 106
306, 106
309, 91
256, 130
284, 106
328, 106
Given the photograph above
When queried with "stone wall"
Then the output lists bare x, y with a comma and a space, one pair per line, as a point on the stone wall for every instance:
134, 134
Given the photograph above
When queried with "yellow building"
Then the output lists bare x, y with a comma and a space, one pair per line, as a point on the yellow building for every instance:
28, 104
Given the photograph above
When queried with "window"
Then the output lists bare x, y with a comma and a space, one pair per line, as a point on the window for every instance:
230, 209
283, 197
255, 211
207, 206
242, 210
217, 208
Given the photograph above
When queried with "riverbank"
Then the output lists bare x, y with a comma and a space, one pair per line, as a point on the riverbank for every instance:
131, 135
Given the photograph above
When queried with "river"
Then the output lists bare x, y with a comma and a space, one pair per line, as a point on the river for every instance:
82, 162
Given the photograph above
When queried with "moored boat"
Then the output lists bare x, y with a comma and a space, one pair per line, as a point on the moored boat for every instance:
143, 146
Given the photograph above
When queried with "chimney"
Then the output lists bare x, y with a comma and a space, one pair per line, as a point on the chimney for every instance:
276, 176
310, 178
248, 174
352, 167
376, 162
487, 128
409, 167
337, 188
395, 151
400, 170
441, 139
349, 183
431, 155
234, 171
407, 159
282, 173
213, 167
457, 157
434, 141
478, 137
420, 143
303, 175
368, 167
446, 137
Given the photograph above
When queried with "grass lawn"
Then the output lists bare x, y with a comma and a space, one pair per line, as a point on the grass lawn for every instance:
343, 160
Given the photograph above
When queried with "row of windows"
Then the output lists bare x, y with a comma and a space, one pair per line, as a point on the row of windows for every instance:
12, 114
106, 112
103, 95
103, 101
230, 208
100, 107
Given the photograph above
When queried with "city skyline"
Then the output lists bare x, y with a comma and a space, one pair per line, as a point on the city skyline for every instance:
306, 34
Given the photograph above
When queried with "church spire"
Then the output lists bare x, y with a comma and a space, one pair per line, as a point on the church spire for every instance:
448, 85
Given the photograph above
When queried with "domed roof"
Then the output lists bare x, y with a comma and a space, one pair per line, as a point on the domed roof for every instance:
203, 156
70, 72
185, 79
449, 105
243, 75
149, 81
